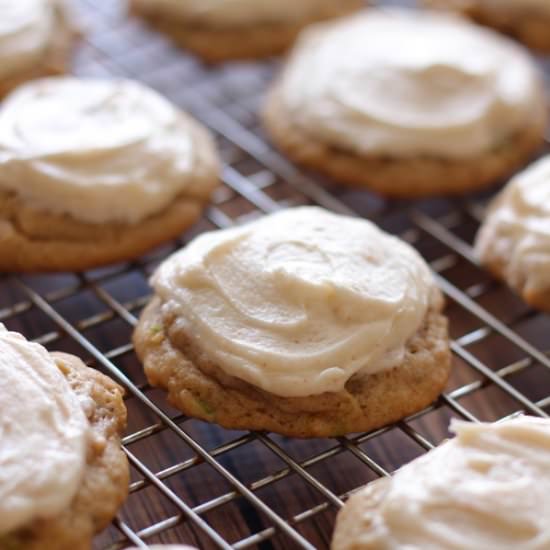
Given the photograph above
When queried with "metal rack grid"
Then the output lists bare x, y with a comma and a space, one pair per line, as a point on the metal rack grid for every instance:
202, 485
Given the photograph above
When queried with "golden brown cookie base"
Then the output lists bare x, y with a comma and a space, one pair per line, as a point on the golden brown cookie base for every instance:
530, 27
499, 266
33, 240
56, 59
537, 299
216, 44
201, 389
403, 177
356, 518
104, 486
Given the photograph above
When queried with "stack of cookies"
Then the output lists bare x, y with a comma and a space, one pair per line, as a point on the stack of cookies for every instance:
304, 322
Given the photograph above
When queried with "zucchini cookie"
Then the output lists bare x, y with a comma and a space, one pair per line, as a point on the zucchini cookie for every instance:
458, 111
63, 474
220, 30
526, 20
304, 323
487, 488
96, 171
514, 239
36, 40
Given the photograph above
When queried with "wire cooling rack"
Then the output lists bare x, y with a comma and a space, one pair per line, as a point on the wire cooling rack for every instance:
196, 483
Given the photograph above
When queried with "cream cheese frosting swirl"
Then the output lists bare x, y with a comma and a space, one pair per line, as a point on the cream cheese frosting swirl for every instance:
517, 227
43, 435
26, 29
297, 302
401, 83
487, 488
97, 150
226, 13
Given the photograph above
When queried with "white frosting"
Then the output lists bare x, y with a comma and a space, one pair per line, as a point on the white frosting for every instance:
26, 28
99, 150
487, 488
517, 227
43, 434
405, 83
299, 301
240, 12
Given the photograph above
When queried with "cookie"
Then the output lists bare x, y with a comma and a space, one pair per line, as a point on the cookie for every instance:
528, 21
514, 239
36, 40
484, 489
96, 171
237, 29
70, 476
454, 114
303, 323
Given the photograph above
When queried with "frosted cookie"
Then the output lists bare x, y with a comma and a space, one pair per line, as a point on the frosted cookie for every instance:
527, 20
454, 113
487, 488
63, 474
514, 239
304, 323
220, 30
96, 171
35, 40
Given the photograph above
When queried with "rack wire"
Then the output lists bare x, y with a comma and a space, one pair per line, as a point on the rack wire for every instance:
194, 482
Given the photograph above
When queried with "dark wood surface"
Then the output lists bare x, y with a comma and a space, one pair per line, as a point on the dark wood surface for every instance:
102, 306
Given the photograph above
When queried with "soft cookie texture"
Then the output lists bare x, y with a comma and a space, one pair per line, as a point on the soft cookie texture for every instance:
201, 389
487, 488
36, 40
310, 342
456, 113
96, 171
526, 20
103, 484
514, 239
237, 29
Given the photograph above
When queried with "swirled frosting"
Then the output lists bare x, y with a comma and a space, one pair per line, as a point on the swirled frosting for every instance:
98, 150
487, 488
399, 82
43, 434
299, 301
224, 13
26, 28
517, 227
